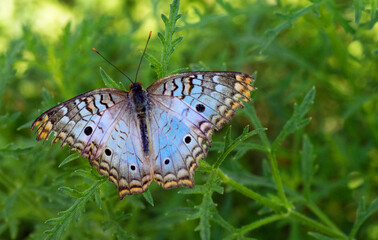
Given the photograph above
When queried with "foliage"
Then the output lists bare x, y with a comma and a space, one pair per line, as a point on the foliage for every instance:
305, 171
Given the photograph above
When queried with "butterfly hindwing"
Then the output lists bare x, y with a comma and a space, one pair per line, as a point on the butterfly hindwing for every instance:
124, 163
178, 144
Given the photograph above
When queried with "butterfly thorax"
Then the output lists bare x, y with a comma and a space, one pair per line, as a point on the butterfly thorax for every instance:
140, 103
139, 98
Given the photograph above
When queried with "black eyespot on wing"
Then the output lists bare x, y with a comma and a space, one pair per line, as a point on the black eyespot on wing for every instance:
200, 107
132, 167
88, 130
166, 161
108, 152
187, 139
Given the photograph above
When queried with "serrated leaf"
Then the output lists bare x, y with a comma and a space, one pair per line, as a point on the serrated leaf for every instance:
296, 121
166, 40
179, 70
231, 146
85, 173
74, 211
217, 218
70, 192
69, 159
154, 63
52, 221
363, 215
148, 197
7, 119
9, 149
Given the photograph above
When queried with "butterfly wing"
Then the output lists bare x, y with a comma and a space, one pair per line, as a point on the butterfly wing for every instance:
187, 108
97, 124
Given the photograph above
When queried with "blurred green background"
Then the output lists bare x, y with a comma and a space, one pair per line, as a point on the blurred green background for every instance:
46, 57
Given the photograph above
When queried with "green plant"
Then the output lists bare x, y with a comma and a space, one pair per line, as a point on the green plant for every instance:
307, 176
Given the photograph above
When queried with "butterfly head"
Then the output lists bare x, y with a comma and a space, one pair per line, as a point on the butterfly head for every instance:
135, 86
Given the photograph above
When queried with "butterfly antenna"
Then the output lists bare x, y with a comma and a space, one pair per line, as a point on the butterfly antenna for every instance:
94, 49
140, 62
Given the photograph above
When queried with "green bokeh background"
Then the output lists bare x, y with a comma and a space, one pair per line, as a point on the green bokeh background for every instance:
46, 57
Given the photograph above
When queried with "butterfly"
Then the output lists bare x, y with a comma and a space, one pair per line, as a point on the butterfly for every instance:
158, 133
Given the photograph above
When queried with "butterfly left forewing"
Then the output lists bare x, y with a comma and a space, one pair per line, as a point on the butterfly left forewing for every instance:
79, 121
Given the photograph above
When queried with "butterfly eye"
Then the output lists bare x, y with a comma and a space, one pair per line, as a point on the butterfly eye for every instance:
132, 167
108, 152
88, 131
187, 139
166, 161
200, 107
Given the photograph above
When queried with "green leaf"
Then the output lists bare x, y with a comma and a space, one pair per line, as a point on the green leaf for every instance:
307, 164
7, 119
358, 7
148, 196
62, 222
109, 82
164, 18
69, 159
177, 41
319, 236
162, 38
231, 146
167, 39
289, 19
296, 121
9, 203
227, 138
87, 173
373, 11
10, 149
179, 70
71, 192
6, 69
154, 63
198, 189
98, 199
362, 215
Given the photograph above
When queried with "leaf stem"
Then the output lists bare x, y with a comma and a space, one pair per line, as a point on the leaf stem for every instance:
278, 208
260, 222
320, 227
248, 192
251, 112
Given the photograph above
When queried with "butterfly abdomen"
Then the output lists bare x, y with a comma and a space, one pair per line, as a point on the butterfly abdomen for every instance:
140, 102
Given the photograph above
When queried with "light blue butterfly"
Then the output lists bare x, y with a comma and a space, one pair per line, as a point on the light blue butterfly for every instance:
155, 134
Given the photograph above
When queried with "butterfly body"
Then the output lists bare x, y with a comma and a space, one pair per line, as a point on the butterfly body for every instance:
158, 133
